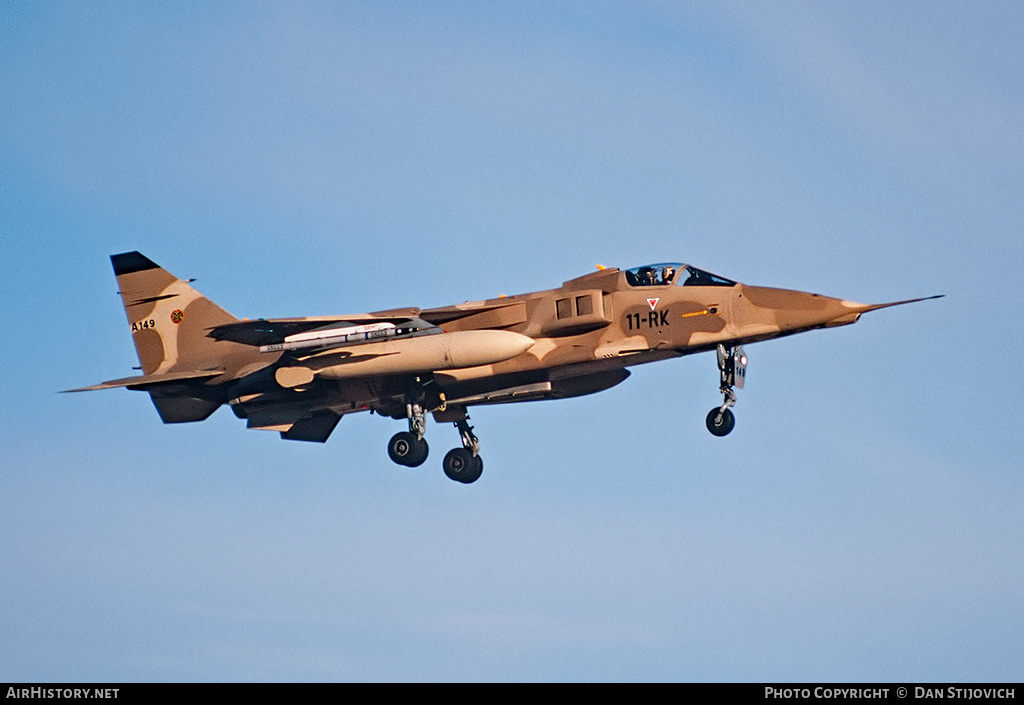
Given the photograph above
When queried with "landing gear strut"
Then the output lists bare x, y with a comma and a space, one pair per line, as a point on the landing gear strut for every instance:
409, 448
732, 368
464, 464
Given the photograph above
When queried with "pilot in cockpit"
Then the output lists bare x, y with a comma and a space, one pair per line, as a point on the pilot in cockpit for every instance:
647, 276
666, 275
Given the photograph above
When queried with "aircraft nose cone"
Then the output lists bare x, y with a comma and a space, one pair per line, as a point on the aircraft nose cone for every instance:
797, 310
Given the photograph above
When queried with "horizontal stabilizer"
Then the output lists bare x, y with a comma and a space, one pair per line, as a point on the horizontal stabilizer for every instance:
147, 381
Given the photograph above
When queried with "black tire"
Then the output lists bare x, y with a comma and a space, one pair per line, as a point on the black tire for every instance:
721, 427
475, 471
460, 465
405, 449
421, 453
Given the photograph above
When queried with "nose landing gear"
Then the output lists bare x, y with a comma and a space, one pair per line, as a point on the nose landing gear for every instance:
732, 368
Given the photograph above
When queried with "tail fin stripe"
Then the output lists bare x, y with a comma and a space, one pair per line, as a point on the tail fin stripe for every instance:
129, 262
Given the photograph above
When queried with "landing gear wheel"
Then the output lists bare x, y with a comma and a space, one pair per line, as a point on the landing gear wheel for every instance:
406, 449
720, 422
462, 466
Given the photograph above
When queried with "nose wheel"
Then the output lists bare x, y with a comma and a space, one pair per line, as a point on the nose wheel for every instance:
720, 422
732, 368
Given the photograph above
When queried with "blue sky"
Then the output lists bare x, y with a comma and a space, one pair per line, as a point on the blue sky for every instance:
862, 522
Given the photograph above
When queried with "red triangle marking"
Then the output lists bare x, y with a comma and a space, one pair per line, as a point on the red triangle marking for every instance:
652, 303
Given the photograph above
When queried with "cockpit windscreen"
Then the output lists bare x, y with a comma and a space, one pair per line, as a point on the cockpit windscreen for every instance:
692, 276
666, 273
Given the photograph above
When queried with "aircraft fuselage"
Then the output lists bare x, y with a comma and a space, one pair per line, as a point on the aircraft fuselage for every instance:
299, 376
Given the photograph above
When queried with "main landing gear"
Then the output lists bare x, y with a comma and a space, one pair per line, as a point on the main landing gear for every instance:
464, 464
732, 368
409, 448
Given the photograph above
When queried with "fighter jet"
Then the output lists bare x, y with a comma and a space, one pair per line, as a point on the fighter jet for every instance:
299, 376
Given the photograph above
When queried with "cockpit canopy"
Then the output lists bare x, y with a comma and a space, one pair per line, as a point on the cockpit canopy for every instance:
667, 273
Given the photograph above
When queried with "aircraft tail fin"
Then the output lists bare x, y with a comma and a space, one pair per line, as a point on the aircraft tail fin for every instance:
169, 320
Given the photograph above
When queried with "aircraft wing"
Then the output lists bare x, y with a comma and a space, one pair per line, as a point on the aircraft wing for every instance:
497, 313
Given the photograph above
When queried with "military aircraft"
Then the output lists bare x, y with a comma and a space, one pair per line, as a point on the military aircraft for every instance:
299, 376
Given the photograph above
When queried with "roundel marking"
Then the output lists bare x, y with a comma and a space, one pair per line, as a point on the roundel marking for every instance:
177, 316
